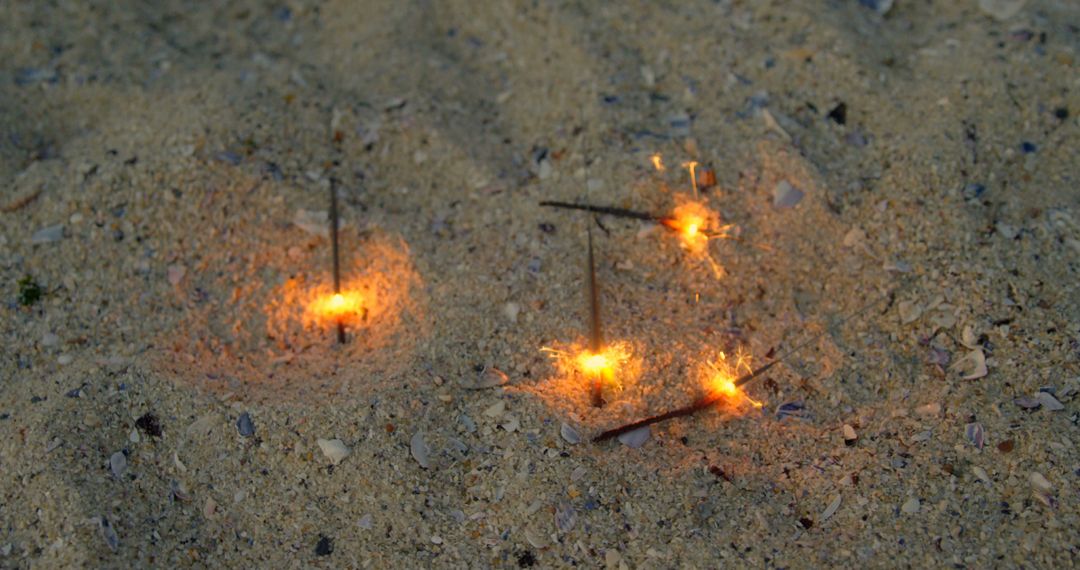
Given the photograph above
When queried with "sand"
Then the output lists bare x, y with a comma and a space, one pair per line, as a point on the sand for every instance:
166, 401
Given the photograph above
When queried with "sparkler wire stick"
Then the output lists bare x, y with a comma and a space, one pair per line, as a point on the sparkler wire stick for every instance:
337, 262
708, 401
609, 210
666, 221
596, 336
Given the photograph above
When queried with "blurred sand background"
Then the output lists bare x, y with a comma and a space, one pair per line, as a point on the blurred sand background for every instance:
156, 158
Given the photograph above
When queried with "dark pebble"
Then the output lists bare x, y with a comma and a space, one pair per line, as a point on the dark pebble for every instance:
245, 426
1028, 147
229, 157
526, 559
839, 114
1061, 113
325, 547
148, 423
76, 393
547, 228
973, 190
806, 522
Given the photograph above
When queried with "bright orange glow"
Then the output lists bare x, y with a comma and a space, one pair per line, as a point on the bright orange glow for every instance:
615, 367
592, 363
658, 163
719, 379
692, 221
345, 306
696, 224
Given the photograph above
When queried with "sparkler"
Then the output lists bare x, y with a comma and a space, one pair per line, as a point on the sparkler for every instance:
338, 302
594, 363
726, 389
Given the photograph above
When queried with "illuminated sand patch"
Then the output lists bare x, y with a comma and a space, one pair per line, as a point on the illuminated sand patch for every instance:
273, 337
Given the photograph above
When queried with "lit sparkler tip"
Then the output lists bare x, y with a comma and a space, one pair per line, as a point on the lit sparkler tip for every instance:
338, 306
593, 363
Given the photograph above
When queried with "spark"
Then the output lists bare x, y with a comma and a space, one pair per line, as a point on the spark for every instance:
658, 162
692, 167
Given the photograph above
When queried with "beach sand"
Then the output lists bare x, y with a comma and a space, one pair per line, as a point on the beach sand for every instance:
901, 178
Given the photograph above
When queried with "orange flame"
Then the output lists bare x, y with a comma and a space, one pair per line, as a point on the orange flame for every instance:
696, 224
347, 307
719, 379
578, 366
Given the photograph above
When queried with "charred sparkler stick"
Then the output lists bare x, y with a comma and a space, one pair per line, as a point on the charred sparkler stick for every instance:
669, 222
337, 261
596, 337
708, 401
609, 210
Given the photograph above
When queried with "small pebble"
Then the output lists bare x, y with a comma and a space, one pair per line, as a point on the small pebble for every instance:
909, 311
1027, 403
831, 509
245, 426
325, 546
975, 434
565, 516
50, 234
365, 522
929, 410
314, 223
118, 464
849, 435
637, 438
882, 7
1001, 9
786, 196
49, 340
109, 534
149, 424
1049, 402
496, 410
420, 450
1039, 483
489, 377
333, 449
570, 434
510, 311
910, 506
175, 274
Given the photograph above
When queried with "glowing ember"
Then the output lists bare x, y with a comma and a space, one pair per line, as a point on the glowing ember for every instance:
694, 222
720, 377
347, 306
594, 363
615, 366
657, 162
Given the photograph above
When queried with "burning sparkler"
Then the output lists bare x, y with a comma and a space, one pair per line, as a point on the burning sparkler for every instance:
595, 363
723, 387
602, 365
